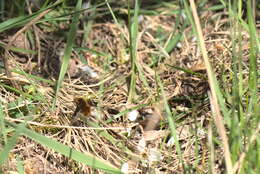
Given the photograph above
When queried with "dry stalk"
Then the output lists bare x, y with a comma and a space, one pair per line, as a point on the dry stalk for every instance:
218, 117
68, 127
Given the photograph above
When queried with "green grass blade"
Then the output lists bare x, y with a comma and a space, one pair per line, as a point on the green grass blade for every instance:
235, 134
112, 13
133, 48
24, 94
19, 50
68, 49
22, 20
173, 42
20, 166
188, 71
2, 125
170, 118
12, 23
10, 144
214, 87
87, 26
252, 59
85, 158
189, 16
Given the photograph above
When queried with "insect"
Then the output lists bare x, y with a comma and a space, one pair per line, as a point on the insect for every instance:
83, 107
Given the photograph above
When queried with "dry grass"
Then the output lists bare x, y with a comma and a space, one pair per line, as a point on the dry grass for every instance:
186, 94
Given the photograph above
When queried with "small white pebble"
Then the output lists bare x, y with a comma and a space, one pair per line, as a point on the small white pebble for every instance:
85, 5
181, 108
144, 163
141, 145
89, 71
132, 116
125, 168
179, 45
128, 130
170, 142
126, 57
183, 15
3, 100
140, 18
154, 155
194, 39
201, 132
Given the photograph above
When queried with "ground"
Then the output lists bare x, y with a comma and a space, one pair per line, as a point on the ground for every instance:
92, 112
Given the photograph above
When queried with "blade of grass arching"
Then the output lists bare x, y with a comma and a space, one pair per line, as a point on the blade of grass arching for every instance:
252, 61
213, 85
163, 52
68, 49
171, 122
65, 17
30, 76
23, 20
133, 32
222, 103
85, 158
14, 22
10, 144
175, 36
122, 34
188, 71
112, 13
19, 50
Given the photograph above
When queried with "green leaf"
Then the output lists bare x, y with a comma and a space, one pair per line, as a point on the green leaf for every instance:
10, 144
68, 49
